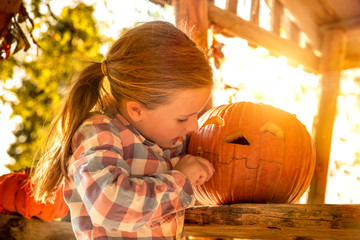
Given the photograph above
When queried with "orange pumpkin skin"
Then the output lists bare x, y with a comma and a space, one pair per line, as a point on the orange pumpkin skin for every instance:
16, 197
261, 154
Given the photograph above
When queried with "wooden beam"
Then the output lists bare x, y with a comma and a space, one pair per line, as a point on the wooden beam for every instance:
305, 21
331, 64
238, 27
347, 25
192, 15
274, 221
351, 62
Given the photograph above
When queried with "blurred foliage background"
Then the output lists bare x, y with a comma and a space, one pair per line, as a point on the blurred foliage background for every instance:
65, 42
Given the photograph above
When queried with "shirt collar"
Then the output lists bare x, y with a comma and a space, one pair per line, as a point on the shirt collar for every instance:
117, 115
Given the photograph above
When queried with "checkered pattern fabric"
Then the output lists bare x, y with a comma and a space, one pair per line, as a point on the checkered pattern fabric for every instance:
122, 186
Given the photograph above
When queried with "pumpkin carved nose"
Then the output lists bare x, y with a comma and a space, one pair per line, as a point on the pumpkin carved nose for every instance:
237, 137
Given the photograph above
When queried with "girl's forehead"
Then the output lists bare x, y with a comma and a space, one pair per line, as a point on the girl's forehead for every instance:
189, 102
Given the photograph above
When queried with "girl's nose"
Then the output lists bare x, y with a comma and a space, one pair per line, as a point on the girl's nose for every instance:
192, 124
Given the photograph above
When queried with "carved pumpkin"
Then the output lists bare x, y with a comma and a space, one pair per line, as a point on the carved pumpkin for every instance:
260, 154
16, 197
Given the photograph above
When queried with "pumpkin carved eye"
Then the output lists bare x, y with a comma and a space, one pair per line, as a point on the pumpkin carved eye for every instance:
214, 120
273, 129
237, 137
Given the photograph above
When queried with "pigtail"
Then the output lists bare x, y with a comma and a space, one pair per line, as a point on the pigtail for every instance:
83, 96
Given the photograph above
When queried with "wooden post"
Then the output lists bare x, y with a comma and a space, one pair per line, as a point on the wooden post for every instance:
333, 54
191, 16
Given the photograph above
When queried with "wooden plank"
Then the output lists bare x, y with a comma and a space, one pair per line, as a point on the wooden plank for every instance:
231, 6
236, 26
277, 11
274, 221
330, 66
305, 21
19, 228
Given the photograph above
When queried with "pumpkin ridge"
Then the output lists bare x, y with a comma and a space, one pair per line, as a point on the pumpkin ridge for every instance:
296, 188
306, 155
257, 179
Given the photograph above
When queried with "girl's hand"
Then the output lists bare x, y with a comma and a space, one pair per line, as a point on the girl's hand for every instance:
197, 169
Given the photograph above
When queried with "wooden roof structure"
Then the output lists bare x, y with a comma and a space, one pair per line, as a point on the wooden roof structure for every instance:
311, 19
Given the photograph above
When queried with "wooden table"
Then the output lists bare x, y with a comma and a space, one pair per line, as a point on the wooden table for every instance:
241, 221
274, 221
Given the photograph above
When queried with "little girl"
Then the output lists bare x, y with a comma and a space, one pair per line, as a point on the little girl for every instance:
118, 143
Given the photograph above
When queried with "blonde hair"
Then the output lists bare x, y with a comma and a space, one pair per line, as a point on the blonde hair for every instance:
146, 64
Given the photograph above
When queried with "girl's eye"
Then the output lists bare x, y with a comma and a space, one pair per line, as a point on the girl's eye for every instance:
182, 120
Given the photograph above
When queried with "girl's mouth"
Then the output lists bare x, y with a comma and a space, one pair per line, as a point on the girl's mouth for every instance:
175, 140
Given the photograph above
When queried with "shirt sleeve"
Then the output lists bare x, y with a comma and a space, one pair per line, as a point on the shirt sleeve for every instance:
113, 198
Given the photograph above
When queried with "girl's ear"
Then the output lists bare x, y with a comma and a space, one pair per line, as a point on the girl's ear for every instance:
135, 110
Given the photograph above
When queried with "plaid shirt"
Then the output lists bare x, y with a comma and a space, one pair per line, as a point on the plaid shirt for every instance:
121, 185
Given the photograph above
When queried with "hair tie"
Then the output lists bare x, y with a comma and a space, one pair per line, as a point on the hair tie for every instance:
104, 67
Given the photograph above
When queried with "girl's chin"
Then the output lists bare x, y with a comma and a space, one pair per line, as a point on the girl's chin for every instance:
169, 144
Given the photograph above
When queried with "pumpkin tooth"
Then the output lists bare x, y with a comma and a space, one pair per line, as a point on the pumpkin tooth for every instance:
199, 151
214, 120
237, 138
273, 129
